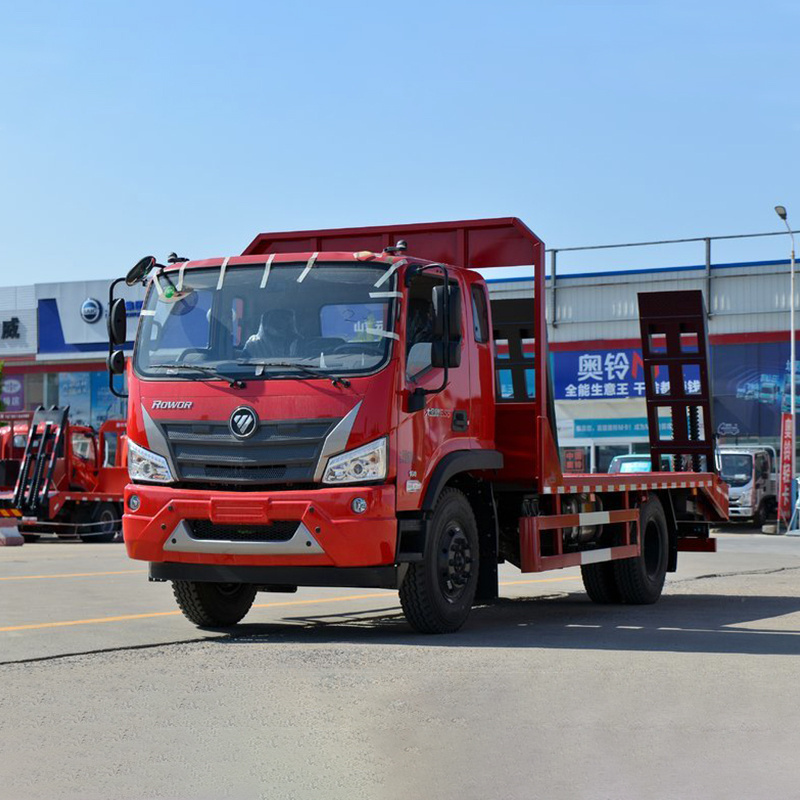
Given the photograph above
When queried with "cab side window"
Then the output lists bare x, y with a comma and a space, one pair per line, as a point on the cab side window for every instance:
419, 325
480, 315
83, 447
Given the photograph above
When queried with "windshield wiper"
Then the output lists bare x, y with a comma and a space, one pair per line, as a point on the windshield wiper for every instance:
234, 383
336, 380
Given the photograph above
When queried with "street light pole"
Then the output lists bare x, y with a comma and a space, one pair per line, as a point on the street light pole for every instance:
781, 212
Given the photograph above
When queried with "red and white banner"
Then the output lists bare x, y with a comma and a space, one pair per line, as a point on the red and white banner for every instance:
785, 477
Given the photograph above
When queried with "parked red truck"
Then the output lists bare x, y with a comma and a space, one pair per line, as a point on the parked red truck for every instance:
60, 478
323, 410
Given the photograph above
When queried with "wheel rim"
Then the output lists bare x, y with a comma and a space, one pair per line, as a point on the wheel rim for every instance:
652, 550
228, 589
107, 521
454, 563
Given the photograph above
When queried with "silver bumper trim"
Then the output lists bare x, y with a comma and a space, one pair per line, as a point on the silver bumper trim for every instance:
301, 543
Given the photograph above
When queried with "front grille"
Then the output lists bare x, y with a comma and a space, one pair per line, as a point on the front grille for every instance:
284, 452
278, 531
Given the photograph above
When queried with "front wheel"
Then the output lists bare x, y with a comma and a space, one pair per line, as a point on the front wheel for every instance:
437, 592
760, 517
106, 523
213, 605
641, 579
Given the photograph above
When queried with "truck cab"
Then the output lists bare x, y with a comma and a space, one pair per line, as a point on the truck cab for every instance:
751, 475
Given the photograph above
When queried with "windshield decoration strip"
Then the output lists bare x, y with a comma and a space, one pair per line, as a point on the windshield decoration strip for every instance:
309, 264
179, 287
379, 295
147, 312
222, 272
157, 283
381, 332
389, 272
267, 266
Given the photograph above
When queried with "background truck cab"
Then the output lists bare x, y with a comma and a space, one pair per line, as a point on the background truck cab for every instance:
751, 475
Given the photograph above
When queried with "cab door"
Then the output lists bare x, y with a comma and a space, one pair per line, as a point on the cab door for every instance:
444, 423
83, 464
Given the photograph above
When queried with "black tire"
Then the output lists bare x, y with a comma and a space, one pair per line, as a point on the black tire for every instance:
760, 517
437, 592
30, 538
213, 605
641, 579
600, 583
108, 515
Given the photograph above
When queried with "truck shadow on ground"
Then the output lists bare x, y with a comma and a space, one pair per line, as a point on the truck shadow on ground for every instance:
686, 623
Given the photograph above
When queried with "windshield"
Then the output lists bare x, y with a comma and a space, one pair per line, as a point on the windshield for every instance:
737, 468
640, 465
330, 319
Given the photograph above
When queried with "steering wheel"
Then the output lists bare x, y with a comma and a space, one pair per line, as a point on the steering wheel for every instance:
369, 348
191, 350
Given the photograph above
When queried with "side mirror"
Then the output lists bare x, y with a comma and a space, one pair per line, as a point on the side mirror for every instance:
116, 362
117, 322
454, 303
139, 271
416, 401
446, 353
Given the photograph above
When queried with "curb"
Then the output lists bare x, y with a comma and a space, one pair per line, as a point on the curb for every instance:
10, 537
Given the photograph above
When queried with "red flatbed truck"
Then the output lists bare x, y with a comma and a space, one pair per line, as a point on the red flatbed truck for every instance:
323, 410
67, 479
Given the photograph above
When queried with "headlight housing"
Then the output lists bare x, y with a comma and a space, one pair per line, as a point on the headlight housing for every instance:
367, 463
144, 465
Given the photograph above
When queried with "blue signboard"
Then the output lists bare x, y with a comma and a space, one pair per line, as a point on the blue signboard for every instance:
750, 383
598, 374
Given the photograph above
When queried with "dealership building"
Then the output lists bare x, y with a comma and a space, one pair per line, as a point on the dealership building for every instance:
53, 345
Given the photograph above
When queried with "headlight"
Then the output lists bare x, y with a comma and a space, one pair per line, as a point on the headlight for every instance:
367, 463
146, 466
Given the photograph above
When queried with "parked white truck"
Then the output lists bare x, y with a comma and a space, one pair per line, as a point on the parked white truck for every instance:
752, 477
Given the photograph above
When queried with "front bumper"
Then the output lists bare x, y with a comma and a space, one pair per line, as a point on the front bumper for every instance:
328, 532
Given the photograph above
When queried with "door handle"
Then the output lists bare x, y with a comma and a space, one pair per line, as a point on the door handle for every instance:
460, 421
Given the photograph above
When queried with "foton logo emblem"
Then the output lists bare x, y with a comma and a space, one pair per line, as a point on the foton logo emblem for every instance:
243, 422
172, 404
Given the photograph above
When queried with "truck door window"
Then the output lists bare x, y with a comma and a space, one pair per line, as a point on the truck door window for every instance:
480, 315
83, 447
419, 325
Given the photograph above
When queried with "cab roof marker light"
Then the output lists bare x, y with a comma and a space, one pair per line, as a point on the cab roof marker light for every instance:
389, 272
378, 295
363, 255
381, 332
309, 264
222, 272
267, 267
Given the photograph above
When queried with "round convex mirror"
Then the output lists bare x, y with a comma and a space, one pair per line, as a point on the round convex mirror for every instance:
140, 270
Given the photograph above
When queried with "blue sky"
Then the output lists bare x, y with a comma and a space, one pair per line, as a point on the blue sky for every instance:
129, 128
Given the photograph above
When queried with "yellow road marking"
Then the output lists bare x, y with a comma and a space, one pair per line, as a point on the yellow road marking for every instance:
150, 615
72, 575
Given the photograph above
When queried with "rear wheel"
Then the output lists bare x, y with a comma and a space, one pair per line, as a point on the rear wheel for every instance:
213, 605
29, 538
641, 579
437, 592
105, 524
600, 583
